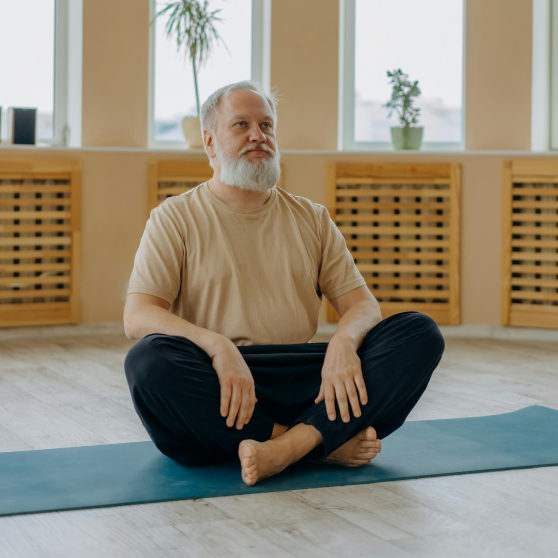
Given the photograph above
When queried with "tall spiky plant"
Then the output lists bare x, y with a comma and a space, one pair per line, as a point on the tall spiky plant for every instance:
191, 24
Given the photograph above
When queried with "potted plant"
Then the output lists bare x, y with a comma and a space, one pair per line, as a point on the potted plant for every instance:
191, 25
405, 136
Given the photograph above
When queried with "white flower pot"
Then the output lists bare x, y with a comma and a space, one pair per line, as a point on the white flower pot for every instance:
192, 132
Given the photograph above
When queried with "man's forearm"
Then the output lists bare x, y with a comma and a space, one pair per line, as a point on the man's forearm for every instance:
356, 322
154, 319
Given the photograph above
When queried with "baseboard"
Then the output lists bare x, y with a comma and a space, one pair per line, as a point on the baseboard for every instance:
476, 330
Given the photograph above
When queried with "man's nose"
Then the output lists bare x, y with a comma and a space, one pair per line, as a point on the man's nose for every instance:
257, 135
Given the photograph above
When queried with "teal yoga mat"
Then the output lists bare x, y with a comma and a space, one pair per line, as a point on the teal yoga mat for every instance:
134, 473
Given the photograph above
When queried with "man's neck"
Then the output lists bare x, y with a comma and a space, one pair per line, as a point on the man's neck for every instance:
237, 197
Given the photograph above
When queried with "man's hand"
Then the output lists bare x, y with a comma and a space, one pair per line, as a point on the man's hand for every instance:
341, 372
238, 394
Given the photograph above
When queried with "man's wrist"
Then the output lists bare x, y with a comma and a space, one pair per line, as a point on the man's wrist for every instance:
345, 339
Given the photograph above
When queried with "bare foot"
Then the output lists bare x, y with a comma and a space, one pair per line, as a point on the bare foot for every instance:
260, 460
359, 450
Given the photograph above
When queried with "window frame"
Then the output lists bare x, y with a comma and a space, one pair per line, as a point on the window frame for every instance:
553, 38
261, 50
346, 113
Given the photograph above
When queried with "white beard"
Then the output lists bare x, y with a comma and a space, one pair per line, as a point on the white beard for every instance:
257, 176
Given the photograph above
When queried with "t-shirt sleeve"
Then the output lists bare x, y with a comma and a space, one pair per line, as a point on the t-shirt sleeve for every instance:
159, 259
338, 272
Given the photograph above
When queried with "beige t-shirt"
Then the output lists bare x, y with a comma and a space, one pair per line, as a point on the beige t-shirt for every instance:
255, 276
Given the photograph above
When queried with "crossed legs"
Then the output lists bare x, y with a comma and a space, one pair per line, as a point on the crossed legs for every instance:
176, 393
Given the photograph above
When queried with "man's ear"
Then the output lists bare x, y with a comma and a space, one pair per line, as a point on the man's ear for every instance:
209, 143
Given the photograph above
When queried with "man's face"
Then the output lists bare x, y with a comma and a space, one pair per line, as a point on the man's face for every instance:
245, 125
243, 148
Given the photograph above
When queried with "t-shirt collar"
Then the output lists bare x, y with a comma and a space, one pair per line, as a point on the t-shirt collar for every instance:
257, 211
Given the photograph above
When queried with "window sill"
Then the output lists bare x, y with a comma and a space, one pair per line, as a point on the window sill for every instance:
402, 152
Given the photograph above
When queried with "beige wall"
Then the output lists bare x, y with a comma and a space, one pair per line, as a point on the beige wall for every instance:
304, 69
115, 68
498, 74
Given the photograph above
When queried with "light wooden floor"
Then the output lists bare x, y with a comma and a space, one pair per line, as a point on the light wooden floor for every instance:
72, 392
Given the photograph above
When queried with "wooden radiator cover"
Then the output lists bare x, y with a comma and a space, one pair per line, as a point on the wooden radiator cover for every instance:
39, 241
530, 244
171, 178
401, 223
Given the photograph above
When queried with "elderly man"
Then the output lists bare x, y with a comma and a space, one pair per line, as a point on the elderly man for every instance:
242, 265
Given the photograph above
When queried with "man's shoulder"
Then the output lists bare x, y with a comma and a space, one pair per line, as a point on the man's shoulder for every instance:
180, 203
301, 203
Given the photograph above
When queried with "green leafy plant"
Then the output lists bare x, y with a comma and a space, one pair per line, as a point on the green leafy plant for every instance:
191, 24
401, 98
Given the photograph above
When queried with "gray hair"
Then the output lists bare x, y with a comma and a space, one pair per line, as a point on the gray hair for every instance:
208, 110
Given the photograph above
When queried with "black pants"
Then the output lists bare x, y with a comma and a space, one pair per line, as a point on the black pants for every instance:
176, 391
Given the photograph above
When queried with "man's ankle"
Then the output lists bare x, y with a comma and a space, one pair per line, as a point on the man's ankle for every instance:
278, 430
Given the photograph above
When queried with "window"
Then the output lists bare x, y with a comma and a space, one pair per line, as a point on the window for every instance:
27, 38
172, 83
40, 66
425, 40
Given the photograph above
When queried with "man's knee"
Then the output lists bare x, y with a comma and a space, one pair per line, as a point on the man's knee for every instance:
144, 364
423, 330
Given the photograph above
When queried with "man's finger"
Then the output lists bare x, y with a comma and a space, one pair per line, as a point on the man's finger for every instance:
320, 396
352, 394
225, 398
361, 386
330, 401
341, 394
252, 406
235, 404
244, 408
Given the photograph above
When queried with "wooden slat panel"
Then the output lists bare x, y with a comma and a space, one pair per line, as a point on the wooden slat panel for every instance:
56, 279
34, 267
28, 189
400, 189
400, 255
33, 293
35, 313
411, 293
540, 269
538, 231
385, 193
21, 179
398, 180
400, 268
534, 282
391, 243
35, 201
519, 304
530, 217
535, 204
344, 217
434, 281
27, 254
35, 228
394, 205
535, 192
533, 295
35, 215
534, 256
534, 243
36, 241
422, 231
